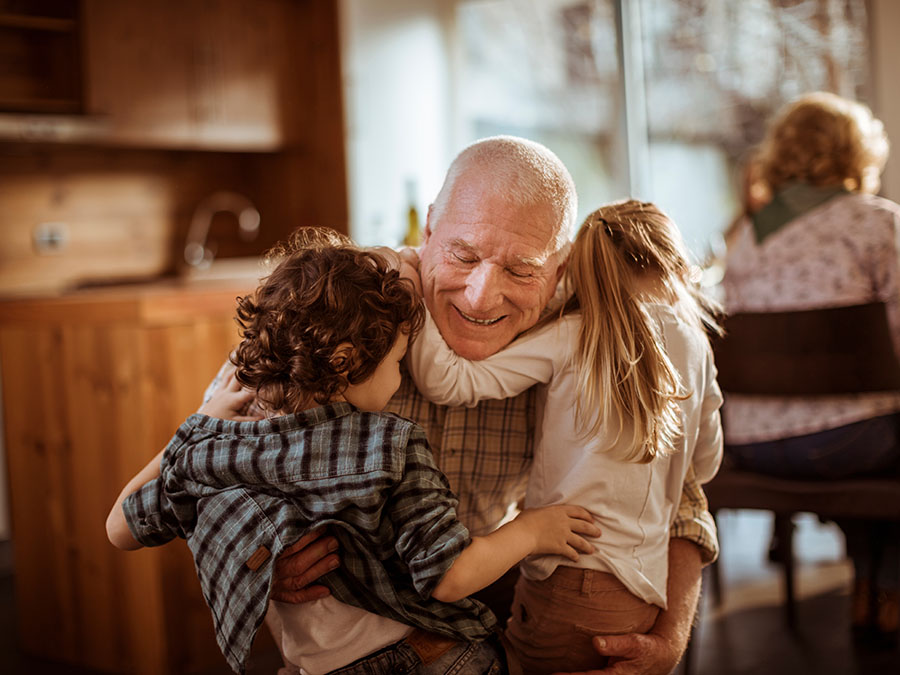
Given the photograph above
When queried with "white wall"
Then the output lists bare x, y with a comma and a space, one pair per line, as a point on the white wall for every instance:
884, 19
396, 74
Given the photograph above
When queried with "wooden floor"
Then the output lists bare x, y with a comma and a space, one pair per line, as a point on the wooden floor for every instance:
745, 636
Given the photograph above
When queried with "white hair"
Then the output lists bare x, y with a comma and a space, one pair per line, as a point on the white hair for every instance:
524, 172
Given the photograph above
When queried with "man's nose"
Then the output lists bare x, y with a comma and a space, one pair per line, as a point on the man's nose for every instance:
484, 287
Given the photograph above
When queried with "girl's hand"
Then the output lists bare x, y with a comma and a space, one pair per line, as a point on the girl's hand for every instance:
229, 401
556, 529
409, 267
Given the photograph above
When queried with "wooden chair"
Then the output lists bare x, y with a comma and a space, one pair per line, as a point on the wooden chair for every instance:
805, 353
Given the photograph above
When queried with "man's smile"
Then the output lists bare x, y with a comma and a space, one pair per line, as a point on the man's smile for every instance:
478, 322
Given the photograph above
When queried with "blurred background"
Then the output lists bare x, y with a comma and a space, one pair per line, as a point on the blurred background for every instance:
151, 151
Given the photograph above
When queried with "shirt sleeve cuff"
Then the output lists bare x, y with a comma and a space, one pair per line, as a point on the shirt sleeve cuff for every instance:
695, 523
144, 517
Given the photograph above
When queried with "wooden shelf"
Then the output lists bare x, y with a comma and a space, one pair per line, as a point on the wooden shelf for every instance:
60, 106
41, 23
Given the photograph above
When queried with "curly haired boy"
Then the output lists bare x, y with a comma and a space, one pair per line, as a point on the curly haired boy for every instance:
322, 341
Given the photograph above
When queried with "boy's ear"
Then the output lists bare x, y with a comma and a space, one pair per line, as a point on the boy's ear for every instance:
342, 358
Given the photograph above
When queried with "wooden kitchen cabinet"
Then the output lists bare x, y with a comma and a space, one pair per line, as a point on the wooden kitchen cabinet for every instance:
94, 385
191, 73
41, 56
232, 75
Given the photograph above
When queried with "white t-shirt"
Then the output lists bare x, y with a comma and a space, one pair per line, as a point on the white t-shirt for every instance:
326, 634
633, 504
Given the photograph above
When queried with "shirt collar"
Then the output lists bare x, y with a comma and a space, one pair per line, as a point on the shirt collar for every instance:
790, 203
279, 424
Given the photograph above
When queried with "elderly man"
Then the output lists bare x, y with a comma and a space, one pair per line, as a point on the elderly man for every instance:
493, 254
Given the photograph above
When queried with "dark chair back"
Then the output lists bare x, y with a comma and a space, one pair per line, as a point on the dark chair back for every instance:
837, 350
806, 353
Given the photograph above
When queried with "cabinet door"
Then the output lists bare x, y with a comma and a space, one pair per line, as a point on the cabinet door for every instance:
86, 404
191, 73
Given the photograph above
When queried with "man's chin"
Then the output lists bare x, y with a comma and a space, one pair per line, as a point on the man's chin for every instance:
476, 349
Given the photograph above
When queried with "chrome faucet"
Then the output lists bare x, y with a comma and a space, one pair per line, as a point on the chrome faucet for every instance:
196, 251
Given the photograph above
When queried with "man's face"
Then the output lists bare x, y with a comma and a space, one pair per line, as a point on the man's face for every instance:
488, 269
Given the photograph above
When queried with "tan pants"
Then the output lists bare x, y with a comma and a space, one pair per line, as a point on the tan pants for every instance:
553, 620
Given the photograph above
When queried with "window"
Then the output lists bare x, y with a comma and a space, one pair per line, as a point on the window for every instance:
657, 99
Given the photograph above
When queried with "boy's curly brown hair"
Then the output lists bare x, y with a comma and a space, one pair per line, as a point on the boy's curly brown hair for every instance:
324, 293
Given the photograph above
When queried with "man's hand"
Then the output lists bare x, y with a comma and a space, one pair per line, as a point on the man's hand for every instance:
300, 565
660, 650
634, 654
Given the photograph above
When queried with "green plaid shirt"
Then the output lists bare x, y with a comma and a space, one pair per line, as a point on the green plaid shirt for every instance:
486, 454
242, 492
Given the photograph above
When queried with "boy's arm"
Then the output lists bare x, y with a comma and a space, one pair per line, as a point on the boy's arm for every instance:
226, 399
445, 378
552, 529
445, 562
116, 526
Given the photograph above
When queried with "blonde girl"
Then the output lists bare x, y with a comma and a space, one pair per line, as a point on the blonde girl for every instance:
629, 406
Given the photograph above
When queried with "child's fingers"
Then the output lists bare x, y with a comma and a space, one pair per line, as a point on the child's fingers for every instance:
409, 256
584, 527
226, 374
571, 554
578, 512
246, 418
579, 544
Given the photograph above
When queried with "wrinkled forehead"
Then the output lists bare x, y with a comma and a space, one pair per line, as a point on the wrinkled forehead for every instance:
478, 212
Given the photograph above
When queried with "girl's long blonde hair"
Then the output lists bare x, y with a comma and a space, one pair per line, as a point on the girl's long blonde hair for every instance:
622, 368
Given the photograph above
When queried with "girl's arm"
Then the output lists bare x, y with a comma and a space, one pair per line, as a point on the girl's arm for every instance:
445, 378
551, 529
709, 447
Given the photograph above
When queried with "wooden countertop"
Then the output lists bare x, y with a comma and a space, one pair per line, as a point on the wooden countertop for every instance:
160, 302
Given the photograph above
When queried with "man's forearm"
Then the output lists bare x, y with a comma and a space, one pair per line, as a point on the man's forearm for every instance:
683, 590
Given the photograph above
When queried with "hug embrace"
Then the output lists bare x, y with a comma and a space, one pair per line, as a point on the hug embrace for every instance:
396, 433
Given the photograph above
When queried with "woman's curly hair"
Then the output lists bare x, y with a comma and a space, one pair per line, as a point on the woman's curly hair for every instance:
823, 139
324, 293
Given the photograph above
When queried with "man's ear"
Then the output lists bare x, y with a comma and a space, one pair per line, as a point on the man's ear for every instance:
342, 357
428, 216
561, 269
563, 253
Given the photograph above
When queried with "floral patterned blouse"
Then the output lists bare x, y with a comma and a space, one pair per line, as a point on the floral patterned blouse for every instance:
843, 252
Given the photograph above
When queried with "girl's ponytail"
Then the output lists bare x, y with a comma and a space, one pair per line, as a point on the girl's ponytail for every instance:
624, 374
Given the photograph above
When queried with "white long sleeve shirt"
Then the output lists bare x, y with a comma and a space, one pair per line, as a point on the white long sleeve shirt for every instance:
633, 504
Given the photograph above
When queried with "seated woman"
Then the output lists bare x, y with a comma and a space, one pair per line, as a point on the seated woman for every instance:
824, 240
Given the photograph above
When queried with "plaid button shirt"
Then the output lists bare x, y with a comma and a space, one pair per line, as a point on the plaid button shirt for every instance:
242, 492
486, 454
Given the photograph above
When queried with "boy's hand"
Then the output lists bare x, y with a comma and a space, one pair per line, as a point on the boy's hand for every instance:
229, 401
300, 565
556, 529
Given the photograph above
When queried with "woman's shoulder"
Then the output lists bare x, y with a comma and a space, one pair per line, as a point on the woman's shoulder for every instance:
861, 207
